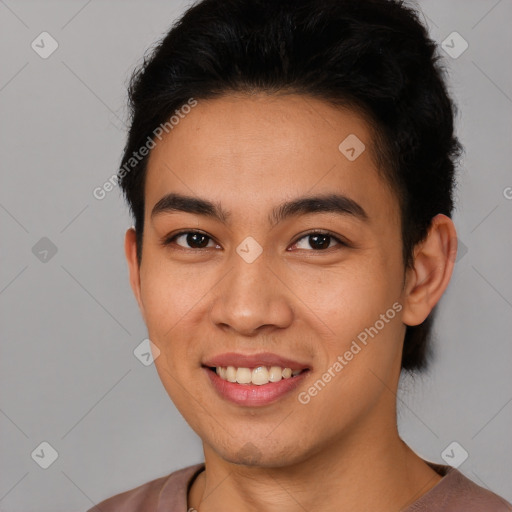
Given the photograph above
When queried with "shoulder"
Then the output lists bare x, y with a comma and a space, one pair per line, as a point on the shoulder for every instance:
148, 495
457, 493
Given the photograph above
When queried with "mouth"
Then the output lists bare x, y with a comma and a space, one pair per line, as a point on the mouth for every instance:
258, 376
254, 380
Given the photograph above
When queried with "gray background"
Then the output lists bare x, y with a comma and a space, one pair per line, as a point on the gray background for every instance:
68, 375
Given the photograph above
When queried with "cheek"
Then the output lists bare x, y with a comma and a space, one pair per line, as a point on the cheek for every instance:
347, 298
168, 293
174, 301
358, 304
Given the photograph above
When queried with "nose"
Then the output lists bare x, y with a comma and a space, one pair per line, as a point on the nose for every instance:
252, 298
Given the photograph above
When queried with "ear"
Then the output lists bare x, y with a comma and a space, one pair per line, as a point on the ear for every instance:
130, 250
434, 259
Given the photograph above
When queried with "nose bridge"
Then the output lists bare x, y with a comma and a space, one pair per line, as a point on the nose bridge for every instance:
250, 296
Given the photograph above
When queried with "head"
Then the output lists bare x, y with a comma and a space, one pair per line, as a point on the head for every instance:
247, 105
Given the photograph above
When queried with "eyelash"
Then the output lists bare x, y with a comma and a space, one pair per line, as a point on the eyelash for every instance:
168, 241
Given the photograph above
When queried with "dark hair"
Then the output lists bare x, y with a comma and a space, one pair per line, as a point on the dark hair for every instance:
373, 56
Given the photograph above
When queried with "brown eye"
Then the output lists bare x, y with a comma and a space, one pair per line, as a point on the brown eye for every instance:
318, 241
190, 240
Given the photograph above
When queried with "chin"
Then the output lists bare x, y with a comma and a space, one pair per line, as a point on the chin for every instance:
263, 455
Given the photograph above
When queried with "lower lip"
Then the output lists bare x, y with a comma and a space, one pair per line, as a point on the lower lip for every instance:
251, 394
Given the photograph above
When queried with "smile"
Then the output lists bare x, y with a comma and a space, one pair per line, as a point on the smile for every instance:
254, 395
258, 376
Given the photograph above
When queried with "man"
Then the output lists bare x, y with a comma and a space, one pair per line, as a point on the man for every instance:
289, 168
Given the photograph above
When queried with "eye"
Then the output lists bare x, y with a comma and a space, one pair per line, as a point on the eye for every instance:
318, 240
194, 239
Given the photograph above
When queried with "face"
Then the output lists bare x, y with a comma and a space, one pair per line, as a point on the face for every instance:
317, 283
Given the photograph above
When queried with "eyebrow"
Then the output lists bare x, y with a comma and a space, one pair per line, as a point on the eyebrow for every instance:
330, 203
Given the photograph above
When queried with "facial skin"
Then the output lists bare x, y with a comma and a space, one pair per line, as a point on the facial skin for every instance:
250, 154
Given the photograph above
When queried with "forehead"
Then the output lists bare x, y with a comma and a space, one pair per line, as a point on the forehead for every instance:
260, 149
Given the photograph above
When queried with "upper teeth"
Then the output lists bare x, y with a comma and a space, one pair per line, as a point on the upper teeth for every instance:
260, 375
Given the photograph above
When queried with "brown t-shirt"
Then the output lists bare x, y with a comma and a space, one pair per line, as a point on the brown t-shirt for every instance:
453, 493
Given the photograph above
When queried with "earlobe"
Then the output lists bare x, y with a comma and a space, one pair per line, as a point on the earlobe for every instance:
434, 259
130, 249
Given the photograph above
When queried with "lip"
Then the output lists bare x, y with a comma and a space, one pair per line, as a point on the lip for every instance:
254, 360
252, 395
